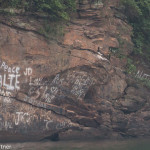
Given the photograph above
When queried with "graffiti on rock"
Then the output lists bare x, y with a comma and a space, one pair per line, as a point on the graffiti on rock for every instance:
81, 85
50, 93
28, 72
40, 93
142, 75
22, 117
35, 82
5, 124
9, 80
54, 125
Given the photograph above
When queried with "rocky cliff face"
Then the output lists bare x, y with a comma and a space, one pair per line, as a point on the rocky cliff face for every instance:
65, 87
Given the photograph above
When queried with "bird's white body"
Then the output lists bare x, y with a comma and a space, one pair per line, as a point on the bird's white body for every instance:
100, 56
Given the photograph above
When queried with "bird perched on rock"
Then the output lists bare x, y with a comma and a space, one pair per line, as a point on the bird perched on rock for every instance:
98, 50
100, 54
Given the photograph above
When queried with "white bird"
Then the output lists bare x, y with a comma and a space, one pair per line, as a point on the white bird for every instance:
100, 57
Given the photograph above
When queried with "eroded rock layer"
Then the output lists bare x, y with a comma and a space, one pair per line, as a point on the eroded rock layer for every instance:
66, 88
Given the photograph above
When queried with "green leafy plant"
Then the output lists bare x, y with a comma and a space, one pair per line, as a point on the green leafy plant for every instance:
52, 29
145, 82
55, 8
130, 68
117, 52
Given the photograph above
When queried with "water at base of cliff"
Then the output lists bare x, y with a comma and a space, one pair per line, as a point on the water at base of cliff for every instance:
130, 144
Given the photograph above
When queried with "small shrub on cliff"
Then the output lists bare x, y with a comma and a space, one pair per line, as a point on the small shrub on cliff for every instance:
130, 68
144, 82
52, 29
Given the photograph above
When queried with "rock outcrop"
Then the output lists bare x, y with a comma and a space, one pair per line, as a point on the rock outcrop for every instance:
64, 88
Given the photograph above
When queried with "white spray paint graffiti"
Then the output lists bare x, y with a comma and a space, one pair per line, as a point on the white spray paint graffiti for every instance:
49, 96
48, 122
7, 100
63, 124
28, 72
57, 80
13, 70
6, 95
80, 85
22, 117
35, 82
9, 80
142, 75
5, 125
51, 124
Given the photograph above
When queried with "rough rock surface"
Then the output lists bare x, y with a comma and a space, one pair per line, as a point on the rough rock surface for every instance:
64, 88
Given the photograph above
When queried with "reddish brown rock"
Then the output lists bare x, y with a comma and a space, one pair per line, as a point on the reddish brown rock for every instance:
63, 87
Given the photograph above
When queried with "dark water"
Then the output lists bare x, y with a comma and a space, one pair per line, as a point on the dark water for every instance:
140, 144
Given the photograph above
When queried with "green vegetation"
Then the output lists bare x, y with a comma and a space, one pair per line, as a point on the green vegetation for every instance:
52, 29
57, 9
53, 14
142, 81
117, 52
130, 68
145, 82
138, 14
